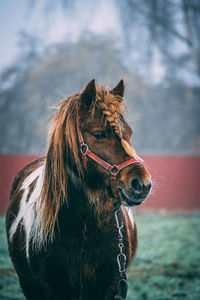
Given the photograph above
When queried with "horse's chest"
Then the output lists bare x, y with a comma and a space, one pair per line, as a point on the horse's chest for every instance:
89, 250
91, 247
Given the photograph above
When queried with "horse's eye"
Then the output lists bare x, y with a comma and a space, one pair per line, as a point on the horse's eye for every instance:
99, 135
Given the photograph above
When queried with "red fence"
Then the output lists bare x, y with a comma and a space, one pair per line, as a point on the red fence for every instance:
176, 181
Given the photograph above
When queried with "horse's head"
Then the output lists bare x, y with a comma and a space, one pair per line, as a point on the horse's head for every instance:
107, 134
97, 114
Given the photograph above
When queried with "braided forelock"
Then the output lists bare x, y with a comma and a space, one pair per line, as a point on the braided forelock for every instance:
112, 108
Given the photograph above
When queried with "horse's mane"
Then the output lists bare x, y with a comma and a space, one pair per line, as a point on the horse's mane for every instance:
63, 149
62, 143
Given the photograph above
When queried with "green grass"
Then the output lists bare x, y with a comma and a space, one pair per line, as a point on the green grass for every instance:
167, 265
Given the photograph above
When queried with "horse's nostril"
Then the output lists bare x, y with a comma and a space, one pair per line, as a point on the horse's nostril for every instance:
136, 186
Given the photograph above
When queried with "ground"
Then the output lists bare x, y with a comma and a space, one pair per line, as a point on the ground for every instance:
167, 265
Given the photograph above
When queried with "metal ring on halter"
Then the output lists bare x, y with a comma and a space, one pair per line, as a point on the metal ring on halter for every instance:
84, 148
115, 170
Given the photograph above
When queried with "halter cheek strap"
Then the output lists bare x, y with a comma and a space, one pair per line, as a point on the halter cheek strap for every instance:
113, 169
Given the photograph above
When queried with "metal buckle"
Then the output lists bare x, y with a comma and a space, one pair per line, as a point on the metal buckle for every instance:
84, 148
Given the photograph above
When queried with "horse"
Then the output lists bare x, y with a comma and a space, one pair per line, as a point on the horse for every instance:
70, 229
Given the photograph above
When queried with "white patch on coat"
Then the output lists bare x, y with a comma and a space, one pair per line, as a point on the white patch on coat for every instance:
130, 214
28, 215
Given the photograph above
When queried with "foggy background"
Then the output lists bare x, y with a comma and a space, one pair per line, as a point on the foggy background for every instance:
51, 49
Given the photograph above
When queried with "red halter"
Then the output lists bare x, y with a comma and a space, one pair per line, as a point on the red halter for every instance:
113, 169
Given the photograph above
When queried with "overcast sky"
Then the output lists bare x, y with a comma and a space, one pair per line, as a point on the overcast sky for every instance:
56, 26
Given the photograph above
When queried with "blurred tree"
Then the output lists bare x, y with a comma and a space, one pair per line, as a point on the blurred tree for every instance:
172, 26
30, 49
165, 32
30, 86
166, 120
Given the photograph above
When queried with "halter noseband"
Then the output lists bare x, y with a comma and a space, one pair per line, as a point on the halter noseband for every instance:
113, 169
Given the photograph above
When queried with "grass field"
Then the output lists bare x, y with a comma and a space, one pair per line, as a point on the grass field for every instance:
167, 265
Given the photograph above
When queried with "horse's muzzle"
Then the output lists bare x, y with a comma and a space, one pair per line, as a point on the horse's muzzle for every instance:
137, 193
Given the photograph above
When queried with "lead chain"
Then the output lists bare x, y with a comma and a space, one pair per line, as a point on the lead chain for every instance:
121, 257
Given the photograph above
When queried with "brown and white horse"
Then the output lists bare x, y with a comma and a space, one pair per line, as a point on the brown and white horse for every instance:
61, 227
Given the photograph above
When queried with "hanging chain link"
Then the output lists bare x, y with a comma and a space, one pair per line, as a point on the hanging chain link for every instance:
121, 257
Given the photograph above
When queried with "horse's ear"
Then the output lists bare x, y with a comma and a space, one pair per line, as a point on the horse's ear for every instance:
119, 89
89, 93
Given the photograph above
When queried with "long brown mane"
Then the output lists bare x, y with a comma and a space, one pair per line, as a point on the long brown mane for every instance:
62, 148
